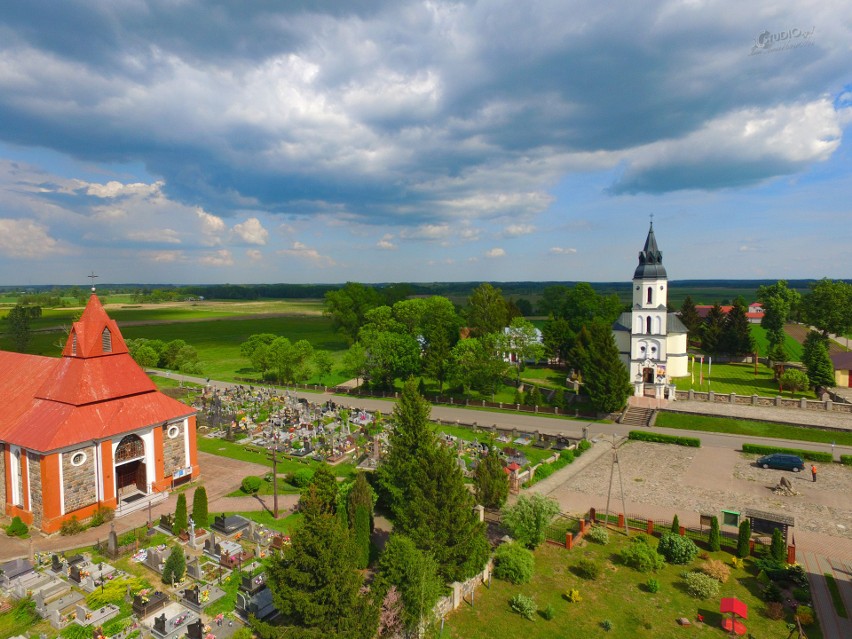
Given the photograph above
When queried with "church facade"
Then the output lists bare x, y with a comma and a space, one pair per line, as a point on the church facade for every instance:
651, 341
88, 430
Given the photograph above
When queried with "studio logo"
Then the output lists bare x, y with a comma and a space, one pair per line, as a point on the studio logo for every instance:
768, 42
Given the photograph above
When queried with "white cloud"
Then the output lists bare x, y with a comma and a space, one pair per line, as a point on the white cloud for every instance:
114, 189
560, 250
303, 252
386, 243
211, 225
254, 255
26, 239
222, 257
516, 230
164, 257
167, 236
251, 231
427, 232
495, 252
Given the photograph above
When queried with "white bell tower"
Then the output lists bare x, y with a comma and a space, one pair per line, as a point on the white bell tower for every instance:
649, 315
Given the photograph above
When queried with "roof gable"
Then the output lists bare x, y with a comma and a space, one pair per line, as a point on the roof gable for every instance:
94, 334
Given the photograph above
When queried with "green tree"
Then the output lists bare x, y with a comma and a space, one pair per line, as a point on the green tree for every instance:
691, 319
142, 352
605, 377
355, 361
322, 488
778, 549
199, 507
558, 338
323, 362
529, 517
713, 330
18, 321
478, 363
439, 330
675, 529
793, 380
179, 523
523, 341
415, 575
817, 361
715, 538
389, 355
744, 539
359, 509
315, 584
736, 336
175, 566
487, 311
490, 480
254, 342
779, 302
347, 307
290, 361
828, 306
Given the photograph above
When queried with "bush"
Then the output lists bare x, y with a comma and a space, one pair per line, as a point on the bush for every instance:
744, 539
573, 595
598, 534
17, 528
607, 625
524, 606
513, 563
301, 477
101, 516
677, 549
549, 612
806, 615
702, 586
568, 455
640, 556
811, 455
846, 460
71, 526
773, 593
250, 484
802, 595
543, 471
714, 541
588, 569
644, 436
716, 569
775, 610
582, 446
778, 549
675, 529
652, 585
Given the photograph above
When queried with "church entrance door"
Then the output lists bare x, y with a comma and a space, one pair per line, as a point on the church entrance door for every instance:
130, 479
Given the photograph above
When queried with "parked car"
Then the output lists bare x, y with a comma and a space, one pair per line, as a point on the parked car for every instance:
782, 462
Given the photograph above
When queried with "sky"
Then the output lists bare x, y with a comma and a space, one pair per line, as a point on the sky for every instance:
323, 141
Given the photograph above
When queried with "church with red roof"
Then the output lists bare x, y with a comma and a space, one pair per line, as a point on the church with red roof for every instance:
88, 430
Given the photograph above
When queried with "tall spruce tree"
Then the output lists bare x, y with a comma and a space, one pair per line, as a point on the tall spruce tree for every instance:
180, 521
605, 377
744, 539
323, 486
690, 318
414, 574
175, 566
359, 509
199, 508
712, 332
490, 480
314, 582
714, 541
778, 549
736, 336
817, 361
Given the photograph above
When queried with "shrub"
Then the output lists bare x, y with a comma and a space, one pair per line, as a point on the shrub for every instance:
643, 436
175, 566
773, 593
200, 514
846, 460
716, 569
743, 546
513, 563
301, 477
652, 585
250, 484
101, 516
17, 528
568, 455
640, 556
606, 624
549, 612
598, 534
71, 526
524, 606
805, 615
181, 520
582, 446
588, 569
573, 596
675, 529
736, 562
677, 549
775, 610
811, 455
778, 549
714, 541
702, 586
543, 471
802, 595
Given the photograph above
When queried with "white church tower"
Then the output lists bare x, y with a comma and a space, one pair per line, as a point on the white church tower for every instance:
651, 341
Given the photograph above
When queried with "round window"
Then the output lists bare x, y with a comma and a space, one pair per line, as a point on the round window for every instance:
78, 459
173, 431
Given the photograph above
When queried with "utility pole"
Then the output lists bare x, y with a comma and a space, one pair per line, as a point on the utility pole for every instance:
272, 455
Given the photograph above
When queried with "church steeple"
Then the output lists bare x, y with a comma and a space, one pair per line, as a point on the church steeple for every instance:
650, 260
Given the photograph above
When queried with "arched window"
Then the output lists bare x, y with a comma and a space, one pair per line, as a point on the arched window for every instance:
130, 447
648, 325
649, 294
106, 341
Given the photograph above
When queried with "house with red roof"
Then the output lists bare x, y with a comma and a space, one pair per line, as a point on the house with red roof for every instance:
754, 313
87, 430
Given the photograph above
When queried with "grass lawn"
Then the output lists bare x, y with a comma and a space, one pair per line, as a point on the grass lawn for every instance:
749, 428
618, 595
791, 346
736, 378
546, 377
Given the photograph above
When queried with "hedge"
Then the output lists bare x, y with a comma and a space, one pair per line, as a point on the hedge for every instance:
846, 460
811, 455
645, 436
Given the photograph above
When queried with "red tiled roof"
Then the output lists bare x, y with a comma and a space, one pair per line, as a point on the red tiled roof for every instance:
52, 403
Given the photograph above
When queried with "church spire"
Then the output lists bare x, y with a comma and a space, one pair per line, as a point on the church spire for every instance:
650, 259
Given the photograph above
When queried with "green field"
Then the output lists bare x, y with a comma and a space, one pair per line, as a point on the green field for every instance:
618, 595
736, 378
791, 346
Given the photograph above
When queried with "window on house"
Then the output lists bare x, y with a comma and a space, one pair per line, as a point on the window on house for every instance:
106, 341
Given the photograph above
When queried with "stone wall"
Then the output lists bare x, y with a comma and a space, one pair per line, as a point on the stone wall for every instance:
174, 453
36, 504
79, 481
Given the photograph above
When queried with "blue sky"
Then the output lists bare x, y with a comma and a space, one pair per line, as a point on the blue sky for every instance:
325, 141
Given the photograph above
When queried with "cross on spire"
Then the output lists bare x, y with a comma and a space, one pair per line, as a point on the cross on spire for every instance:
92, 277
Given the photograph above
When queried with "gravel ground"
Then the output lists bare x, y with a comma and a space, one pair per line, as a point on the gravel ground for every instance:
708, 480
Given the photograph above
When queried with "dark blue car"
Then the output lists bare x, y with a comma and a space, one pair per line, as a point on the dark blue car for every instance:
782, 461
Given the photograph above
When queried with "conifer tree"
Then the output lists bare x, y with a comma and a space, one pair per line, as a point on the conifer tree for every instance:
605, 377
361, 537
179, 523
778, 549
414, 574
690, 318
817, 361
175, 566
360, 495
491, 481
324, 485
199, 508
675, 526
314, 582
715, 538
744, 539
736, 335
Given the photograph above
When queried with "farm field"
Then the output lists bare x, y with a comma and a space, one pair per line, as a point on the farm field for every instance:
736, 378
792, 347
619, 595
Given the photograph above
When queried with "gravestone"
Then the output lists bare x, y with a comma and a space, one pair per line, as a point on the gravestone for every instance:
154, 559
166, 521
112, 542
194, 630
160, 624
39, 604
193, 568
55, 563
74, 573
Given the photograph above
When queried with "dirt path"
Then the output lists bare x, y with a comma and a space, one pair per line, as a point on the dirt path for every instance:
799, 331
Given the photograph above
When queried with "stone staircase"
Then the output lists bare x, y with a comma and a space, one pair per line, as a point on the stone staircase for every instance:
637, 416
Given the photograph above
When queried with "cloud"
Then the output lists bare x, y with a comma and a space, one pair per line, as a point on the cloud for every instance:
302, 252
495, 252
386, 243
26, 239
562, 250
254, 255
251, 231
222, 257
114, 189
165, 236
163, 257
211, 226
516, 230
427, 232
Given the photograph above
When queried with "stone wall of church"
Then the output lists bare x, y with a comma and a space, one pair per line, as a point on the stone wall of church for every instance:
2, 473
80, 486
36, 504
174, 452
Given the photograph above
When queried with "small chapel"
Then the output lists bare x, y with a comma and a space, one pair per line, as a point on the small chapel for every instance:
651, 341
87, 430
